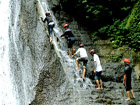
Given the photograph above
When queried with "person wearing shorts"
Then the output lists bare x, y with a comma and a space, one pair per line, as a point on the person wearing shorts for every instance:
83, 58
98, 75
97, 69
70, 38
127, 79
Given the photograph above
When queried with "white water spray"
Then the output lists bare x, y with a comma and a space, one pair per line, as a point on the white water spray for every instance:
7, 92
68, 64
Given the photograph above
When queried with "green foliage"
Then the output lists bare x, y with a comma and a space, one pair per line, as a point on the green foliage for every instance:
116, 58
123, 32
130, 30
98, 13
95, 36
109, 19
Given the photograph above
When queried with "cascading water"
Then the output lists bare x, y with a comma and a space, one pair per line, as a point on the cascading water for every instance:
28, 55
83, 93
7, 89
68, 64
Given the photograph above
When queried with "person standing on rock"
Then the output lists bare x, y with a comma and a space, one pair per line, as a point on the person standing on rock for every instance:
50, 22
83, 57
127, 79
70, 38
97, 69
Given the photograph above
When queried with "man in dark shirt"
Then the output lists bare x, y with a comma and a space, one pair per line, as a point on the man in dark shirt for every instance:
50, 22
127, 79
70, 38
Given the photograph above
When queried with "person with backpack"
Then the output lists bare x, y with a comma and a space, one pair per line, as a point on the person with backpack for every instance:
97, 69
127, 79
83, 58
70, 39
50, 22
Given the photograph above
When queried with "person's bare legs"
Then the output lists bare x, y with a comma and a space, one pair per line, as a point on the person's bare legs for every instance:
97, 81
73, 50
132, 93
69, 53
50, 39
127, 93
101, 84
77, 64
84, 72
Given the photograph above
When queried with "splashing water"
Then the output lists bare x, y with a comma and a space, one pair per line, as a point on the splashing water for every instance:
8, 94
68, 64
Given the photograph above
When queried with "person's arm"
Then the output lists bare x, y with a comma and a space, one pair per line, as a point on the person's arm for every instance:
125, 74
63, 35
77, 52
95, 65
73, 55
43, 20
124, 77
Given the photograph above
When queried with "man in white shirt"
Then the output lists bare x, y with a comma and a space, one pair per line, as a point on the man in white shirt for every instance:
83, 57
97, 69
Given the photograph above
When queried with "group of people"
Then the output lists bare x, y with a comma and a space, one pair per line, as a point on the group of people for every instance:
83, 57
97, 65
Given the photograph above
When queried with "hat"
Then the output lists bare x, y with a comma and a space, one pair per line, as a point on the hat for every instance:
126, 60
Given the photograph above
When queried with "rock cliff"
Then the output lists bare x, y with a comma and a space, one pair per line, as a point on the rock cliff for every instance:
41, 77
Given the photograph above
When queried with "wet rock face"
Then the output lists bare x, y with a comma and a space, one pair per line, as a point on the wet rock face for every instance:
112, 75
34, 64
37, 71
113, 72
50, 80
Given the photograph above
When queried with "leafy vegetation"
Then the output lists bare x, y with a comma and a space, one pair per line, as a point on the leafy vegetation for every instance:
117, 58
98, 12
116, 20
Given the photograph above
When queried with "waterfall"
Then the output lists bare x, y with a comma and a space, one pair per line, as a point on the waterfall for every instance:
7, 89
17, 83
26, 57
69, 65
